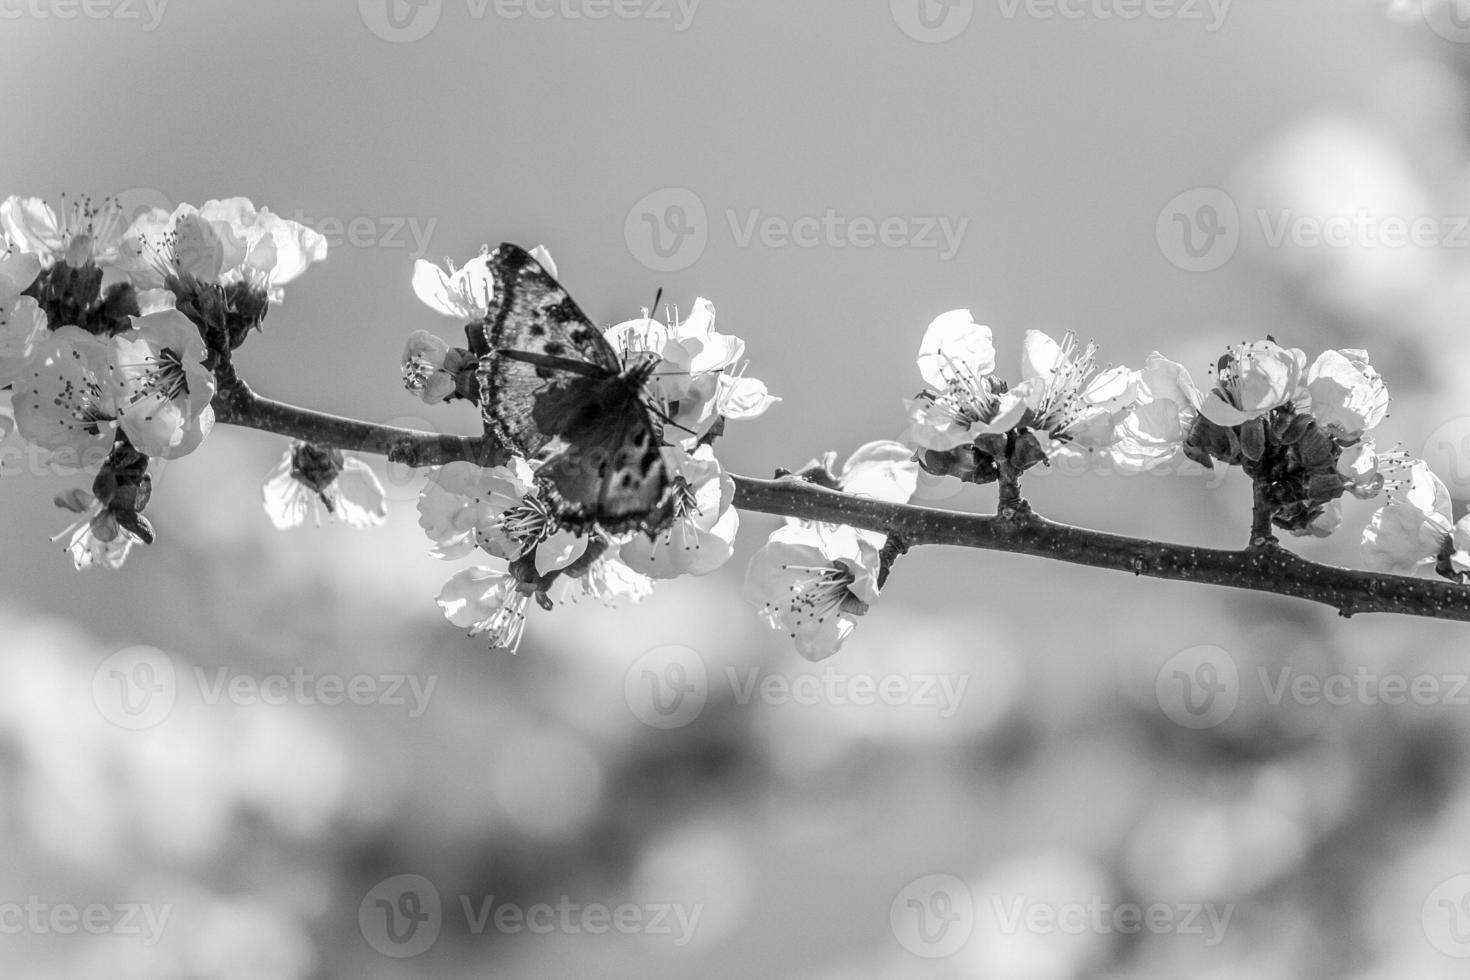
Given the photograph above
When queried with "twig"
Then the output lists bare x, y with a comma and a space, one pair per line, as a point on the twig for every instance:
1260, 569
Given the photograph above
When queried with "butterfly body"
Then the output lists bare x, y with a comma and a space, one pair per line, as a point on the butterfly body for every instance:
551, 380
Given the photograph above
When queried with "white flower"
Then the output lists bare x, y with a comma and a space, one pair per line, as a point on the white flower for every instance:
1068, 398
224, 242
462, 293
84, 232
811, 582
493, 602
1348, 396
68, 396
702, 535
964, 400
311, 480
22, 328
498, 509
697, 380
1409, 531
1253, 380
1154, 429
95, 538
424, 371
486, 601
1460, 555
460, 498
607, 579
163, 388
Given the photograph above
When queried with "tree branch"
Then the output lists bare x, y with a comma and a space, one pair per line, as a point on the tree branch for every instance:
1274, 570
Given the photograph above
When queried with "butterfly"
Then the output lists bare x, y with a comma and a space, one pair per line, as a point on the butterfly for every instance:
546, 374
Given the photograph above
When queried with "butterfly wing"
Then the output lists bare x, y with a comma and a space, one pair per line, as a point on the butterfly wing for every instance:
548, 374
532, 314
612, 475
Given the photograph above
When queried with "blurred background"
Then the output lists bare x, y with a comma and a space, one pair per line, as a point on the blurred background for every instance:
261, 755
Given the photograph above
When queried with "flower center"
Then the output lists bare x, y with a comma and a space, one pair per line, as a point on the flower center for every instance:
817, 591
1062, 403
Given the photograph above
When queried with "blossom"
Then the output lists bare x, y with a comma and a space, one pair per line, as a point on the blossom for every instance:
1410, 530
698, 379
1347, 395
964, 400
225, 242
1068, 398
1254, 379
22, 328
1154, 429
68, 397
812, 581
82, 233
492, 602
701, 537
486, 601
311, 479
95, 538
425, 370
163, 388
462, 293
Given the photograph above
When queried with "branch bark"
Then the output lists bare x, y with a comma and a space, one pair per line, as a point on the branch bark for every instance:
1270, 569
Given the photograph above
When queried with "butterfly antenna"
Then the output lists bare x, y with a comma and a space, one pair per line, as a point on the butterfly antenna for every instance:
664, 417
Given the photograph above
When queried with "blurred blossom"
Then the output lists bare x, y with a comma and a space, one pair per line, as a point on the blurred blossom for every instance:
1003, 947
547, 781
705, 864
